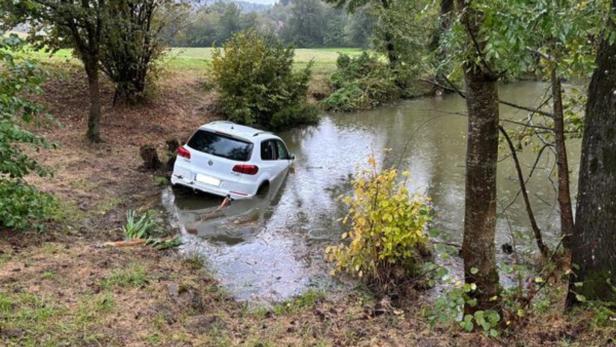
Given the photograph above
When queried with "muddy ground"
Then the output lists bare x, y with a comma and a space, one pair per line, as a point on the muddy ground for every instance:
62, 287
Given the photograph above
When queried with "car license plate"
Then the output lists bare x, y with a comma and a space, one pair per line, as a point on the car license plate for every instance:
207, 180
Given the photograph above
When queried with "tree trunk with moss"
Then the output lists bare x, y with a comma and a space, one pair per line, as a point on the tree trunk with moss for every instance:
478, 248
594, 238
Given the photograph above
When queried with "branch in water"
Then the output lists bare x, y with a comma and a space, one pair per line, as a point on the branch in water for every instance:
531, 216
456, 90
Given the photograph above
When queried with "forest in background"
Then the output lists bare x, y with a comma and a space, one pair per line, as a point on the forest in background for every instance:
303, 24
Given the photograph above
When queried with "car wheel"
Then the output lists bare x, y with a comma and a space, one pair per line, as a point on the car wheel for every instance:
263, 189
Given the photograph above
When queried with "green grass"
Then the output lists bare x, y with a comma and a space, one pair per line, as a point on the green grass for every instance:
199, 58
306, 300
132, 276
187, 59
41, 321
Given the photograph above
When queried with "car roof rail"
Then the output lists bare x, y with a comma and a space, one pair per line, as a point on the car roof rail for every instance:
260, 133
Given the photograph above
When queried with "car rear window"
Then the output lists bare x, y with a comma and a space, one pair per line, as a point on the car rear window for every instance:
221, 145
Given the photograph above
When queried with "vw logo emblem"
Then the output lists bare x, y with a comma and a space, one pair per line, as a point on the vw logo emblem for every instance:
210, 163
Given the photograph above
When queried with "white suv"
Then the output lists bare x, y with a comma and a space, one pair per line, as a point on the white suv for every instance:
230, 160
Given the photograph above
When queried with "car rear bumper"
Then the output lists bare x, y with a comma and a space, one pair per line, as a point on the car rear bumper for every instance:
188, 180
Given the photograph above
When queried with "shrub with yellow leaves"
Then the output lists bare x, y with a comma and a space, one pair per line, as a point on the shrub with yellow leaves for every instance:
386, 237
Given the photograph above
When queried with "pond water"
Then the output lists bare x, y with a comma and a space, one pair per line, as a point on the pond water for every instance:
272, 248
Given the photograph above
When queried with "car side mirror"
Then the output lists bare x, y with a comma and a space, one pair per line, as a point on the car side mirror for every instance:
291, 157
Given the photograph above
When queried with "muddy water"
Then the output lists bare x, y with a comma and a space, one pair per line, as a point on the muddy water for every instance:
272, 248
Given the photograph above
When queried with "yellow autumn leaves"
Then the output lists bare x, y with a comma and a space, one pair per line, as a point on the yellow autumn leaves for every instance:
385, 225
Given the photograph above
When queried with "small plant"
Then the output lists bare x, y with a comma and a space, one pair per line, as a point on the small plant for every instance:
162, 244
146, 228
386, 237
449, 308
143, 227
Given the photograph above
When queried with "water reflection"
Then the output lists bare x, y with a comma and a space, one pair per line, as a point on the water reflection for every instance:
272, 248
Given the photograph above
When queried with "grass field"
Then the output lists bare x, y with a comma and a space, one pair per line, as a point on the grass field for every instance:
199, 58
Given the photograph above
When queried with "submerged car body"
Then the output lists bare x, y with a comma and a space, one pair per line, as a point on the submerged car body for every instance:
230, 160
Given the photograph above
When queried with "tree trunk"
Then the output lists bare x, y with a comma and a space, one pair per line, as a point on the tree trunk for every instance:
564, 195
594, 240
94, 116
391, 50
392, 56
478, 248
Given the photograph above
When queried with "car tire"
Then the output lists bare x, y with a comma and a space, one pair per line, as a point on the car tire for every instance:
263, 189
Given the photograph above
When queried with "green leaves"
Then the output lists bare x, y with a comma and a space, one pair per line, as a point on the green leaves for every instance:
387, 229
21, 206
486, 320
364, 82
147, 228
467, 323
257, 85
139, 228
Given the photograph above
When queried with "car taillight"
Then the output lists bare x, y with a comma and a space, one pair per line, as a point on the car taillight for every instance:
183, 152
246, 169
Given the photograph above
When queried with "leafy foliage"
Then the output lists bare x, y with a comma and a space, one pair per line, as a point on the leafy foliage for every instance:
531, 36
386, 236
257, 83
365, 82
538, 34
402, 35
21, 206
449, 308
409, 26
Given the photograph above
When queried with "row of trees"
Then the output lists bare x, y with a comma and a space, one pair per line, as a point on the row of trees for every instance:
488, 41
567, 36
120, 37
494, 42
305, 23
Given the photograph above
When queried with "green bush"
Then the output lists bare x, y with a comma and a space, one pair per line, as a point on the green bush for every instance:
257, 84
365, 82
386, 240
21, 206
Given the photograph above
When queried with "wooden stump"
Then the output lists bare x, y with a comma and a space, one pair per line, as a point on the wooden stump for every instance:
150, 158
